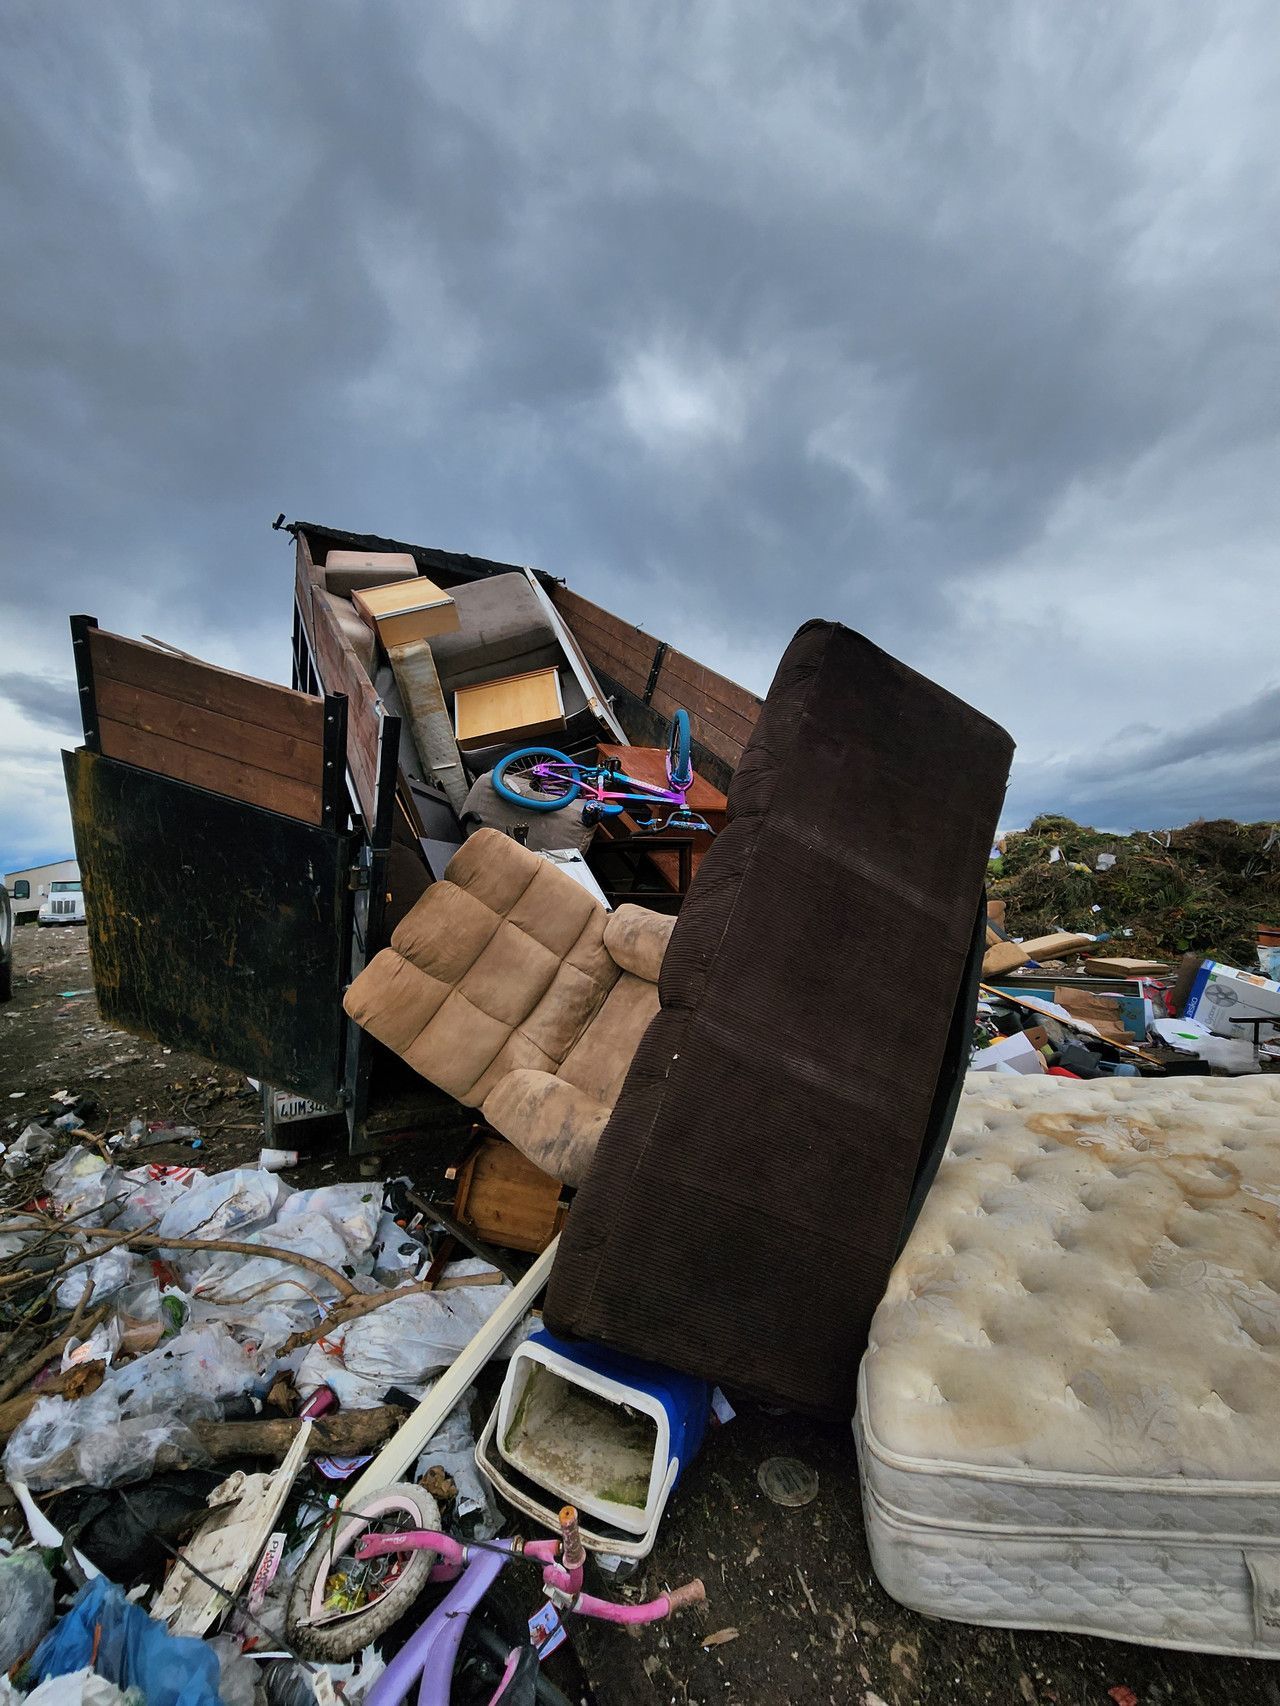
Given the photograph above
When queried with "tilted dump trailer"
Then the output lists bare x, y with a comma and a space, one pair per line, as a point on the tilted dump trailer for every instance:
246, 848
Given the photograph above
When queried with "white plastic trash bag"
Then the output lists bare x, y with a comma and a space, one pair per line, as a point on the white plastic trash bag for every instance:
233, 1279
226, 1205
352, 1210
108, 1272
404, 1344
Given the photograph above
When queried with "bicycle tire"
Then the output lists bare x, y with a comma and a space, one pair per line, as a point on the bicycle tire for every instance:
506, 767
348, 1635
680, 752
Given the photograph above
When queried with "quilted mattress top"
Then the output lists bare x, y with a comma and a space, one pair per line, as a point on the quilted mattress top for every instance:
1093, 1286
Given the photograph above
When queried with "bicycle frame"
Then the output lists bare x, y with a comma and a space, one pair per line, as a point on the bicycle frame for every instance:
432, 1652
593, 780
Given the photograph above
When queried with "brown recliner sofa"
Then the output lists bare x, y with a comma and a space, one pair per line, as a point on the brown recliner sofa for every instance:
511, 988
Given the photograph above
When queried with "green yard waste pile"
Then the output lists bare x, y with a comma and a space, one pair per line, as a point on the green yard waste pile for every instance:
1205, 888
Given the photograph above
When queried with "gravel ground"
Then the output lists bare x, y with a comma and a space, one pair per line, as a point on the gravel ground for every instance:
790, 1592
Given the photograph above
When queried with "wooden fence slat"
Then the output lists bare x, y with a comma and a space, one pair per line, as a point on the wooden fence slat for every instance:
210, 731
219, 775
263, 703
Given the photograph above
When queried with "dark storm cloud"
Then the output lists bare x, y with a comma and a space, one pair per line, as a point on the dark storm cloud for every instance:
731, 316
42, 699
1159, 780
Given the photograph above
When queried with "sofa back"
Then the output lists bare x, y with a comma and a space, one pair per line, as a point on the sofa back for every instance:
749, 1191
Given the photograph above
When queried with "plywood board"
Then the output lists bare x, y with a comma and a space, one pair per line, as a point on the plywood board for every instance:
407, 610
515, 708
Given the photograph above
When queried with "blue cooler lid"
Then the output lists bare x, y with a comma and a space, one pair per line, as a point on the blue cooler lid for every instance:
685, 1398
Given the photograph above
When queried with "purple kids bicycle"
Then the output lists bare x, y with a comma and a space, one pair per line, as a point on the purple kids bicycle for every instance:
365, 1575
543, 780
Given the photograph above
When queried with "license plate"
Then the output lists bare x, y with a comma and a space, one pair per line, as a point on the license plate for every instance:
291, 1108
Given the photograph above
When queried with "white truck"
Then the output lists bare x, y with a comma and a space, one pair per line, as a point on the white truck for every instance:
64, 904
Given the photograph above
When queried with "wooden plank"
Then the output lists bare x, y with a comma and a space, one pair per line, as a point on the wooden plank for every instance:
263, 703
210, 731
511, 709
340, 672
219, 775
604, 653
737, 700
671, 691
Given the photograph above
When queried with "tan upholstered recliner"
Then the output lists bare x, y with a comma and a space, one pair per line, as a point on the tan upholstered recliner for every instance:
510, 987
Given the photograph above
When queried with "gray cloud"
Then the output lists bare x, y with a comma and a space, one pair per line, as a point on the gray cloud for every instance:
42, 699
954, 323
1155, 780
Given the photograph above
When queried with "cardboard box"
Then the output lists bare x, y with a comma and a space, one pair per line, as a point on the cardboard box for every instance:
1100, 966
514, 709
1103, 1012
995, 912
1221, 993
407, 610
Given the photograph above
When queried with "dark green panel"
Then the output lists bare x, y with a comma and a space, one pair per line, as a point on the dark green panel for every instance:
213, 926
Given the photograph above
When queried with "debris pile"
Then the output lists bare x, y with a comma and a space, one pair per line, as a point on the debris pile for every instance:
1205, 888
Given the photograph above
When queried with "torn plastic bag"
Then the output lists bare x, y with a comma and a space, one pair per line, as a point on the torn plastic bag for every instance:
129, 1649
137, 1420
397, 1254
150, 1199
238, 1279
352, 1210
453, 1449
109, 1273
82, 1186
26, 1605
77, 1688
405, 1343
226, 1205
29, 1147
238, 1682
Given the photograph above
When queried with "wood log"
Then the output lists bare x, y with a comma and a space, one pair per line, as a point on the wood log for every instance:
348, 1433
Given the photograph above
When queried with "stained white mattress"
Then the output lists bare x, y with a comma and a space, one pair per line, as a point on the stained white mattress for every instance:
1069, 1411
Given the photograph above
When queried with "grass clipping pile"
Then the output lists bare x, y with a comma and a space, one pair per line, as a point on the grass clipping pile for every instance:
1204, 888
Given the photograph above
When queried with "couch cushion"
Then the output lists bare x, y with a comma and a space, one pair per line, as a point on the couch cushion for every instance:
748, 1194
503, 631
554, 1123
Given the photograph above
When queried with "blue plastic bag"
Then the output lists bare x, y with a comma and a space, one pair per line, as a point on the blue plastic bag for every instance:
134, 1651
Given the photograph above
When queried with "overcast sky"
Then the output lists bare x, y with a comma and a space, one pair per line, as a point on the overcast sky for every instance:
954, 320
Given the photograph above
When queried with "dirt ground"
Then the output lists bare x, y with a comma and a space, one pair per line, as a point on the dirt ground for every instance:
790, 1592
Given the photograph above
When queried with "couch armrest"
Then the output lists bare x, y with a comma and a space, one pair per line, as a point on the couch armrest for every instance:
551, 1121
637, 940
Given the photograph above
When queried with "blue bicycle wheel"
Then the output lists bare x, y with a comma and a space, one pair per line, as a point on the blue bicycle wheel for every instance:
679, 752
516, 779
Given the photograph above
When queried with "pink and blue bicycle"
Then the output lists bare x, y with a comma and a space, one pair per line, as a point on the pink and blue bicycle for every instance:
541, 779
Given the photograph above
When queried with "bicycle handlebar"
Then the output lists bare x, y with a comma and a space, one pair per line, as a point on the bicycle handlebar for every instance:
692, 1593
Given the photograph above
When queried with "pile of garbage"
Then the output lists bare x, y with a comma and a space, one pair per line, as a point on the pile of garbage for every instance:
166, 1331
1205, 888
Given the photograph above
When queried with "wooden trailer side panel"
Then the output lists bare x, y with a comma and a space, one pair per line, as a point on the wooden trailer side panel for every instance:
650, 679
250, 740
